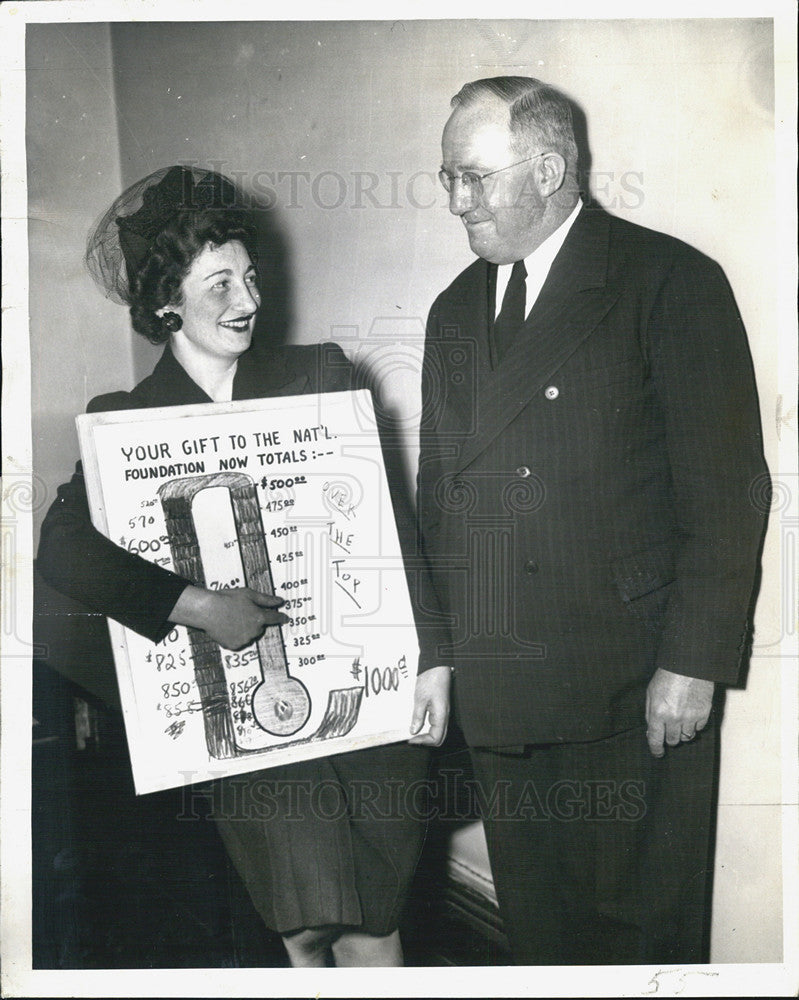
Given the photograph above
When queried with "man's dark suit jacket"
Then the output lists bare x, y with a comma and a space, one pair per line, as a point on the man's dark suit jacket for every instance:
592, 506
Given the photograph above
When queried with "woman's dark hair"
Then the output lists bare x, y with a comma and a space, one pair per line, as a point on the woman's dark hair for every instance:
142, 247
158, 279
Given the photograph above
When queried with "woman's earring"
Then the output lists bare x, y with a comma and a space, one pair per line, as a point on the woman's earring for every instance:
171, 322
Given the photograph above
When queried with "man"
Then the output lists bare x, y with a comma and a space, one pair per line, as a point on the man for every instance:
590, 435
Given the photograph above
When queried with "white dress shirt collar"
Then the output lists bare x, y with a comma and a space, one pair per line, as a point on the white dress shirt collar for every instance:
537, 264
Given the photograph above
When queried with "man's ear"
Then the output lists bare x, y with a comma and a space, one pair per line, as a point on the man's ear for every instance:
551, 173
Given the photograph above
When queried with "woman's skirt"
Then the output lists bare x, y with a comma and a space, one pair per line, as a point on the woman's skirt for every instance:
332, 841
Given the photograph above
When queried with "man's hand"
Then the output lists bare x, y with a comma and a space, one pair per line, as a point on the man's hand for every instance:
431, 699
233, 618
677, 707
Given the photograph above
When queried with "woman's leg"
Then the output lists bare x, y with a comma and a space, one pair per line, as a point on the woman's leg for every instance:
310, 947
354, 949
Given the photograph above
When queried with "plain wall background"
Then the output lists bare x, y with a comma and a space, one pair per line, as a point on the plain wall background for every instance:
339, 124
73, 168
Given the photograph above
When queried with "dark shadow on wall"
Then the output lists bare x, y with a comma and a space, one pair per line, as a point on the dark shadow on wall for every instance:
274, 325
580, 123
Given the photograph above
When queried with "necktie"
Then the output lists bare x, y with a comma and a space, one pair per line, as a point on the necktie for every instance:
511, 315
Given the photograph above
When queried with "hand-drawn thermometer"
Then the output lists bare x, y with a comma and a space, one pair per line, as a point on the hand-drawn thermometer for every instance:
281, 704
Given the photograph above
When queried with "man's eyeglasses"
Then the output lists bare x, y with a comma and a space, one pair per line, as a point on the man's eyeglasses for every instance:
472, 181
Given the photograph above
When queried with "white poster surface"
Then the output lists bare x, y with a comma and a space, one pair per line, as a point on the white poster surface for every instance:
286, 496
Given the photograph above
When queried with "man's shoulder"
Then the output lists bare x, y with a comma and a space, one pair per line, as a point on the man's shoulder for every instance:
645, 244
645, 260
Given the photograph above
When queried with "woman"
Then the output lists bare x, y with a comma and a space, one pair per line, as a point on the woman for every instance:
178, 251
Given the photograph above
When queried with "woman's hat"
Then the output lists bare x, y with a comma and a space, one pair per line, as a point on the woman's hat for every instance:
119, 243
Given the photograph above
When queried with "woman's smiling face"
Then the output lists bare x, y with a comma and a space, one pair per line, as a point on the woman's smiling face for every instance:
220, 299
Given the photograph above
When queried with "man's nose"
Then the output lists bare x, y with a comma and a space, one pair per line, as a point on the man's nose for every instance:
462, 197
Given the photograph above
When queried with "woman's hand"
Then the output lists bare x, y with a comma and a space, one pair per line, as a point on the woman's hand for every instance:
233, 618
431, 699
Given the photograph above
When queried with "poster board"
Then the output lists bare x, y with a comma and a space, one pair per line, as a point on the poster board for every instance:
286, 495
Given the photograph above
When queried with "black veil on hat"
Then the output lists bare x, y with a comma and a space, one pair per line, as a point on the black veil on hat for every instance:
121, 240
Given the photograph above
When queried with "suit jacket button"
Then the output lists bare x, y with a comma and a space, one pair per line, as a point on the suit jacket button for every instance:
552, 392
531, 567
523, 471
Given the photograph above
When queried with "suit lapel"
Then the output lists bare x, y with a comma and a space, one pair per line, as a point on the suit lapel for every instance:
466, 316
573, 300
